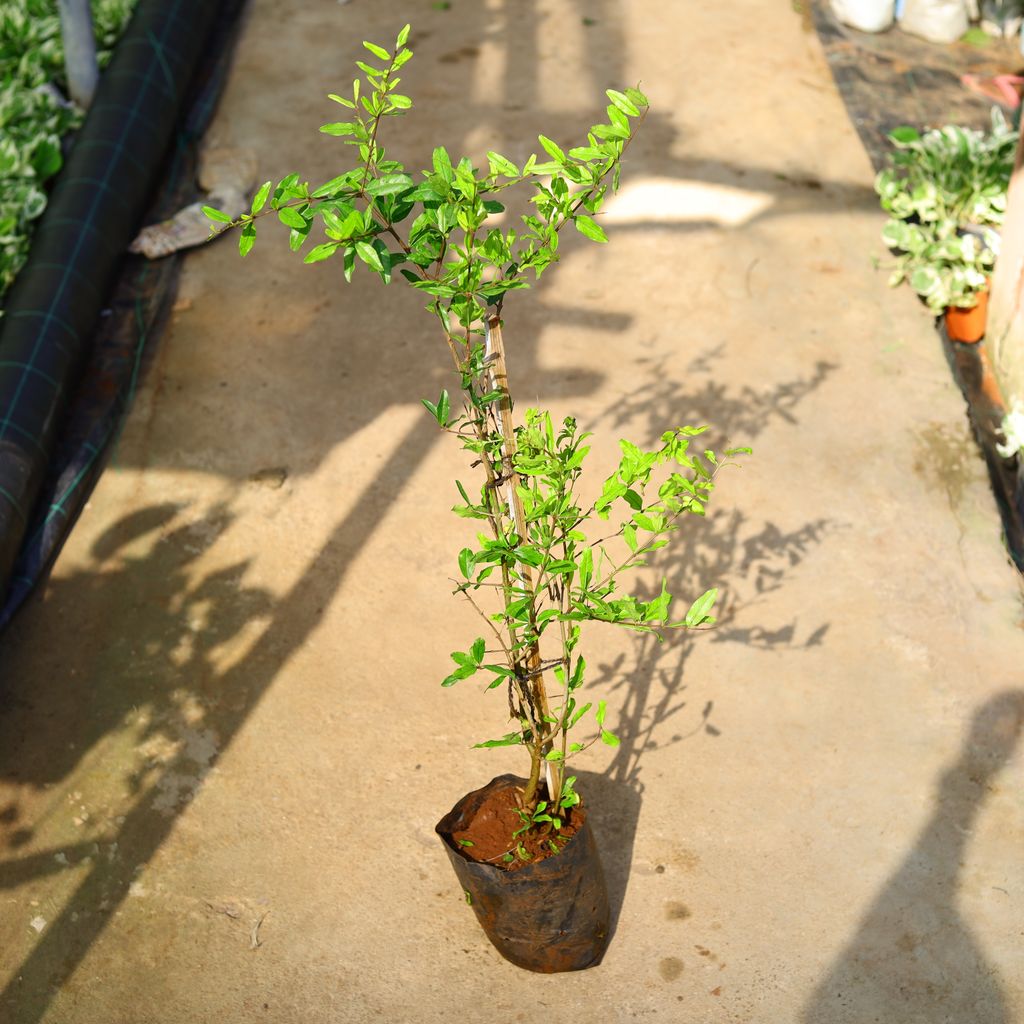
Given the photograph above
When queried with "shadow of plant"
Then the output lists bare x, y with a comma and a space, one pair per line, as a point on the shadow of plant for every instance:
725, 549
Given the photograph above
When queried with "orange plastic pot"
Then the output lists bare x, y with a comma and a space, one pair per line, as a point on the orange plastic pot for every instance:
968, 325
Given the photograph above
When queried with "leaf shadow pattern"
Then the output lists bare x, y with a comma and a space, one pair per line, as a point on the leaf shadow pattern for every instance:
158, 678
914, 958
723, 548
163, 637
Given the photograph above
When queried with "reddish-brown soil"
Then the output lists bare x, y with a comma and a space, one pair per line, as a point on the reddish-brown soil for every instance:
492, 824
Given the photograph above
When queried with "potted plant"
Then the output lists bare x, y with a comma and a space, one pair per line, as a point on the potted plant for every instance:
947, 268
946, 196
535, 571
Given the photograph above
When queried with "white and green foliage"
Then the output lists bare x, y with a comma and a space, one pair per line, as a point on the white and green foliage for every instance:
946, 194
33, 116
1012, 429
535, 573
944, 265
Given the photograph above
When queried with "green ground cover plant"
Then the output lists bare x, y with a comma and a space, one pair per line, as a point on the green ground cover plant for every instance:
544, 560
946, 196
34, 114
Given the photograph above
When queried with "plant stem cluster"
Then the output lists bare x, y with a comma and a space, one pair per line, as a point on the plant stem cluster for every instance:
533, 575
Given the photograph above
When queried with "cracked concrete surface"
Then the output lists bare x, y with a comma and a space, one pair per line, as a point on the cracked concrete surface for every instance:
222, 744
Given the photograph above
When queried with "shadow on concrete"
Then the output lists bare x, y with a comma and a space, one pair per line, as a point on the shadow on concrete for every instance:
449, 49
914, 958
160, 675
706, 552
160, 666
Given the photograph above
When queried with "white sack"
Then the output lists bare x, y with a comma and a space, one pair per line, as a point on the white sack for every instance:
866, 15
938, 21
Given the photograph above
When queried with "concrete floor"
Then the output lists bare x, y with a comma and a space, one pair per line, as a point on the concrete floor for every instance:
223, 747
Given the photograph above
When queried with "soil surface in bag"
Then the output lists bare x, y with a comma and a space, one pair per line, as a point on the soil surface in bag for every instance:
490, 830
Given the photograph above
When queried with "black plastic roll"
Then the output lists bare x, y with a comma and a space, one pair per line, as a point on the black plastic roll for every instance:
94, 212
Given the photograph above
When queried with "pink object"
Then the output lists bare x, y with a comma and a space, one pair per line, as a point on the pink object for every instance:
999, 88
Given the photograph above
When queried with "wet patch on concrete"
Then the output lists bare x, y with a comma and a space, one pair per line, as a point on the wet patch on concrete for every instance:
676, 911
946, 459
671, 968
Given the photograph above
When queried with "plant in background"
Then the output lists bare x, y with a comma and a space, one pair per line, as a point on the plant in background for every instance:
944, 266
950, 173
535, 571
1012, 429
34, 115
946, 196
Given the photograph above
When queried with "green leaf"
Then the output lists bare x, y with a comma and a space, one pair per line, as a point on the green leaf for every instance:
638, 97
389, 184
369, 255
617, 117
579, 713
586, 568
610, 738
502, 165
466, 560
467, 667
260, 199
553, 755
217, 215
291, 218
247, 239
611, 131
402, 37
629, 535
905, 134
46, 158
443, 164
321, 252
510, 739
624, 103
478, 649
465, 842
333, 185
501, 671
698, 612
602, 710
339, 128
552, 148
548, 167
586, 226
576, 680
377, 51
399, 102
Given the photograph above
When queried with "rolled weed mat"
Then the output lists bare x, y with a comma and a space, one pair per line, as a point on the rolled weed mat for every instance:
548, 916
94, 212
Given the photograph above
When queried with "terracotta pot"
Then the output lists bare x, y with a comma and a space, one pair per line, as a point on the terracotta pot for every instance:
548, 916
967, 325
